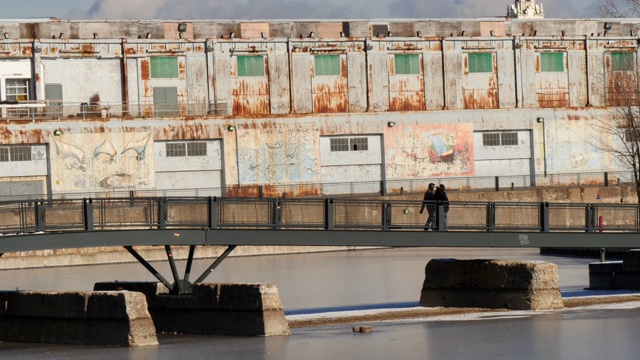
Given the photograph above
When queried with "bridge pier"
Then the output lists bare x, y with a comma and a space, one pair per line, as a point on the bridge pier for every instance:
616, 275
88, 318
212, 309
491, 284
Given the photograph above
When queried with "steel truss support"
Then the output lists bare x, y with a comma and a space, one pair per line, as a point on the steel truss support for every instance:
179, 286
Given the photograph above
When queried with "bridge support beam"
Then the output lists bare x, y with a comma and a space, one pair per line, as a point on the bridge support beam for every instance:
491, 284
212, 309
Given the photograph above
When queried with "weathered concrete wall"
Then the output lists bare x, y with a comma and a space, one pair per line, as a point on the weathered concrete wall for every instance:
491, 284
97, 318
222, 309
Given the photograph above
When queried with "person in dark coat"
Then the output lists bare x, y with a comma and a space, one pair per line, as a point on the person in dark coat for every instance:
430, 204
441, 198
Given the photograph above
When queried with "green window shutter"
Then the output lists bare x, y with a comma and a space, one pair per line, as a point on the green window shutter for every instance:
623, 61
164, 67
480, 62
250, 65
406, 64
552, 62
327, 64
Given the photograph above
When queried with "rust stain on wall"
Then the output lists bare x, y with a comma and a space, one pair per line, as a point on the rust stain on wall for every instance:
145, 69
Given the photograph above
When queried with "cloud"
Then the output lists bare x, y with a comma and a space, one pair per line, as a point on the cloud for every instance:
321, 9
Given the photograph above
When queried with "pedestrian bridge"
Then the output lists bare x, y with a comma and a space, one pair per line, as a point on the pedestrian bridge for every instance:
231, 222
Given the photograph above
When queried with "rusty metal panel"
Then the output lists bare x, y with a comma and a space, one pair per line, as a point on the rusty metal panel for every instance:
433, 80
357, 81
222, 76
197, 91
80, 48
480, 90
506, 80
302, 97
453, 80
406, 92
577, 78
621, 86
379, 85
279, 83
15, 49
251, 95
330, 94
552, 88
596, 78
528, 68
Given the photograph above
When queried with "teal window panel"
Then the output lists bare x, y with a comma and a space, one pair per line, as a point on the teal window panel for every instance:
406, 64
623, 61
480, 62
250, 65
327, 64
164, 67
552, 62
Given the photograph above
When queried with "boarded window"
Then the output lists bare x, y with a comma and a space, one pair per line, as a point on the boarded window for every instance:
327, 64
164, 67
552, 62
407, 63
17, 89
623, 61
480, 62
250, 65
340, 144
359, 144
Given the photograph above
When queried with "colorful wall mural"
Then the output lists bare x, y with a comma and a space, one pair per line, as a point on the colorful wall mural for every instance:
102, 161
280, 155
424, 150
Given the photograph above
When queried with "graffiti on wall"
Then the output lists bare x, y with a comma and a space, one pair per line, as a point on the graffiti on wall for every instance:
100, 162
424, 150
279, 155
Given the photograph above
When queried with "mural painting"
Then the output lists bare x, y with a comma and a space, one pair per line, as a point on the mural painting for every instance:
280, 155
426, 150
102, 162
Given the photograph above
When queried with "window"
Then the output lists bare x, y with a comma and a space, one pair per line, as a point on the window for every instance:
196, 149
340, 144
406, 64
15, 153
552, 62
163, 67
165, 100
359, 144
179, 149
500, 139
623, 61
327, 64
350, 144
491, 139
628, 135
17, 89
250, 65
480, 62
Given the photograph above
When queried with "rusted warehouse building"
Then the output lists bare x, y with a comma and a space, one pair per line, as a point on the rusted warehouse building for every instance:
307, 107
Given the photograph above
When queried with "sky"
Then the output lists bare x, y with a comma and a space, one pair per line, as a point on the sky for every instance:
281, 9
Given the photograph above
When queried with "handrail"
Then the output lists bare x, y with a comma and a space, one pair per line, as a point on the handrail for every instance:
214, 213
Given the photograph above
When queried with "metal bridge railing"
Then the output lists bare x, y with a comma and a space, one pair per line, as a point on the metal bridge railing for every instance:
211, 213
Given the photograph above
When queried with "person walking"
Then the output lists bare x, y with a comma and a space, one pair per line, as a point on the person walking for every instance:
430, 205
441, 198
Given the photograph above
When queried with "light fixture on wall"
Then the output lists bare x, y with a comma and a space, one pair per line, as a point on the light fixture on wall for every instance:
182, 27
57, 132
540, 120
608, 26
391, 124
231, 128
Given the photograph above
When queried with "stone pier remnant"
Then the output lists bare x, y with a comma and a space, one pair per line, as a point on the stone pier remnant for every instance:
493, 284
212, 308
616, 275
91, 318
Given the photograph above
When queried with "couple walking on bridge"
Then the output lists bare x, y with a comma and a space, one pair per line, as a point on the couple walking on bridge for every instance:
431, 200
